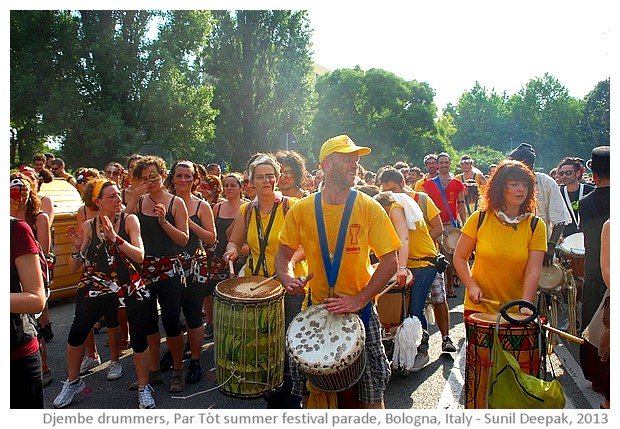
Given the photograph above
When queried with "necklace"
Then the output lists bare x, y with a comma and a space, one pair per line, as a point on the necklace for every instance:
154, 202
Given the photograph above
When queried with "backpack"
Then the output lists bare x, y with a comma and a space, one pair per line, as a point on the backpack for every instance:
42, 260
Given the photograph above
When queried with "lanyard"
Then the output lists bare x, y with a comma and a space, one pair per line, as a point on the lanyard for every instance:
445, 200
569, 204
262, 240
331, 262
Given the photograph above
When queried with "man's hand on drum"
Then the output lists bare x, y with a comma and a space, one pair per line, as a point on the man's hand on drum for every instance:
343, 304
297, 284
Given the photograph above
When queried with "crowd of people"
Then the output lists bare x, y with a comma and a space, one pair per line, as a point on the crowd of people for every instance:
153, 242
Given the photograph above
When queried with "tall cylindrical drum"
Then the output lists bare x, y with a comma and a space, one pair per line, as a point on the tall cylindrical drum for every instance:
248, 337
520, 340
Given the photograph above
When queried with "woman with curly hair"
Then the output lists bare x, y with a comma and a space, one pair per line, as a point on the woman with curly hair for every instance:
510, 242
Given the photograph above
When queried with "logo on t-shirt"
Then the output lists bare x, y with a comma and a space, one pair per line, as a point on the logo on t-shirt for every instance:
354, 230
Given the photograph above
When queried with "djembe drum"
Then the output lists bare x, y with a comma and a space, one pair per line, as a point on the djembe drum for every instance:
248, 337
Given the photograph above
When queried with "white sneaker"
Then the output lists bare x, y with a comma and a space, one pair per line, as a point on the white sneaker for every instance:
420, 361
89, 363
68, 392
115, 371
145, 397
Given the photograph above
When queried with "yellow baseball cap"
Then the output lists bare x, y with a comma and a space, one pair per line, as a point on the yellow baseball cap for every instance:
341, 144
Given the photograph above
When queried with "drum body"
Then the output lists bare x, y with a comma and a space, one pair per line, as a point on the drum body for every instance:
573, 251
521, 341
450, 239
393, 305
328, 347
248, 337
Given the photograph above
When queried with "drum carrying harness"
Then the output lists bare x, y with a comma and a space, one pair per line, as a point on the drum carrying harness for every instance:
333, 267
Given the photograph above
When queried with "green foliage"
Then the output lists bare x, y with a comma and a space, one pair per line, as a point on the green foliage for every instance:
260, 65
378, 109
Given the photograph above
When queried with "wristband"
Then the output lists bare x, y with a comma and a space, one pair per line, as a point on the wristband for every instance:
461, 201
552, 242
402, 268
119, 240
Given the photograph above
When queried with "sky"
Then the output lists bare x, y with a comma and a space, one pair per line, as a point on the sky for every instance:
451, 45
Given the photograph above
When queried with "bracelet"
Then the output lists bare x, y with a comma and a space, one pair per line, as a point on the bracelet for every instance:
461, 201
552, 242
402, 268
119, 240
78, 256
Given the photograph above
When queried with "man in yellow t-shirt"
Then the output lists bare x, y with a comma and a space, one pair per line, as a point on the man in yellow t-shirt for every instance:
369, 229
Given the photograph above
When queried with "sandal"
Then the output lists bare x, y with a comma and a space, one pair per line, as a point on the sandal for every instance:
451, 294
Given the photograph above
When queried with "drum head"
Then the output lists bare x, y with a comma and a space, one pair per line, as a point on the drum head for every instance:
491, 318
573, 244
323, 342
239, 289
550, 277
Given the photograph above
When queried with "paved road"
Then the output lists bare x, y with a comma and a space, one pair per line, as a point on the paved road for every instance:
437, 386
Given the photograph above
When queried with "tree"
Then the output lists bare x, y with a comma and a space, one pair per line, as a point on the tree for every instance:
595, 123
482, 119
259, 62
378, 109
43, 52
115, 87
548, 118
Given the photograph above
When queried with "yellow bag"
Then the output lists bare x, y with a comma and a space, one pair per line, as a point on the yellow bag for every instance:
509, 387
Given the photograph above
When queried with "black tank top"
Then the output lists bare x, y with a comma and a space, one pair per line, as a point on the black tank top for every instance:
221, 225
156, 241
99, 256
193, 242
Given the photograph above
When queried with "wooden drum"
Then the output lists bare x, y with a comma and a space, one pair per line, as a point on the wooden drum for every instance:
328, 347
248, 337
521, 341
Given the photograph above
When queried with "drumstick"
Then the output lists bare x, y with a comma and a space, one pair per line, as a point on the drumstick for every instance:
231, 267
490, 301
263, 283
564, 334
384, 291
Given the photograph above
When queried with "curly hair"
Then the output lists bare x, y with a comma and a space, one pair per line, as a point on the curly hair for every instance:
145, 161
292, 159
508, 170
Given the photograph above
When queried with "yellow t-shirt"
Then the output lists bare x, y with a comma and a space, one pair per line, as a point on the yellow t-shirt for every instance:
501, 257
301, 268
369, 229
421, 245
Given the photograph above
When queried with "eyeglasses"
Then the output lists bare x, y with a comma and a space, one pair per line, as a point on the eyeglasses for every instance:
567, 173
55, 168
264, 178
